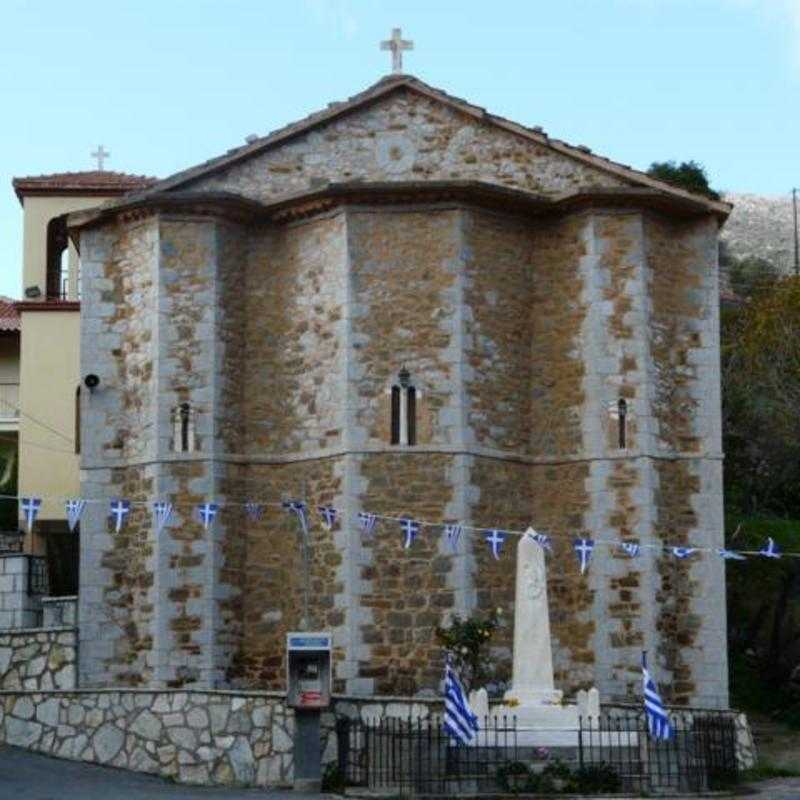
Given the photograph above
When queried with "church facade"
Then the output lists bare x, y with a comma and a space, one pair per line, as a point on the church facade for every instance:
405, 305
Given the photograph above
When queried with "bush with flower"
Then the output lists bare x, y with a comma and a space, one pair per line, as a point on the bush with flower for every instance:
467, 642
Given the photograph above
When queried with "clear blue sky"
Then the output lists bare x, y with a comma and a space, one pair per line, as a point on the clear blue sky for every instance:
167, 84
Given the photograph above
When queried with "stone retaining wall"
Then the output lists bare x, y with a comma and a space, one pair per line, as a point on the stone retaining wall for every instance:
18, 608
210, 738
38, 658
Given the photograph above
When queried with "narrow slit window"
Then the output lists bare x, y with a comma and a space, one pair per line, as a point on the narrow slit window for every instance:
185, 414
395, 433
411, 415
183, 440
78, 420
622, 423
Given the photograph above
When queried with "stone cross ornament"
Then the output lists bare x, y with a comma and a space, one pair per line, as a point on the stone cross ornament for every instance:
101, 154
397, 44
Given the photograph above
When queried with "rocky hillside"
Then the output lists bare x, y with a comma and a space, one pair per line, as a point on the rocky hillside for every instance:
761, 225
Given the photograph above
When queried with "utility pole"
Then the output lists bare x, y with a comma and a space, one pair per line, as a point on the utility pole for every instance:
796, 247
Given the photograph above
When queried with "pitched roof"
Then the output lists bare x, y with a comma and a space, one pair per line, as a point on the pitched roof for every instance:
9, 316
92, 182
393, 83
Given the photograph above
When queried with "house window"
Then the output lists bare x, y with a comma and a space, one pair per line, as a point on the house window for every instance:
622, 421
183, 440
57, 259
404, 410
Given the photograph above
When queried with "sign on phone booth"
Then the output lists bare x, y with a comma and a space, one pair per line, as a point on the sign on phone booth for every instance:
308, 657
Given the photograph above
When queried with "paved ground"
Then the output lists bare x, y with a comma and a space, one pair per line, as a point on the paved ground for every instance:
784, 788
29, 776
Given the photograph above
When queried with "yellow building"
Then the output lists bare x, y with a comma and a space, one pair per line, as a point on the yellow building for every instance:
49, 380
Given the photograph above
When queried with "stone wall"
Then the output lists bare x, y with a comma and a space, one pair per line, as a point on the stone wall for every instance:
194, 737
38, 659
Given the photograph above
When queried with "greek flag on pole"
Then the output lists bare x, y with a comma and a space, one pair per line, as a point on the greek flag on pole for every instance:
770, 549
119, 513
630, 548
732, 555
657, 719
453, 534
254, 511
298, 508
495, 540
74, 509
583, 549
328, 514
367, 522
207, 513
30, 508
682, 552
460, 723
410, 530
161, 514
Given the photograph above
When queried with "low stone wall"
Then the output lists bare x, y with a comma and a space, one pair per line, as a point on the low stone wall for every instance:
18, 608
198, 737
59, 612
38, 659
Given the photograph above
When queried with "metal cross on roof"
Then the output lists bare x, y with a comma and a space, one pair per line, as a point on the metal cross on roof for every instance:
101, 155
397, 44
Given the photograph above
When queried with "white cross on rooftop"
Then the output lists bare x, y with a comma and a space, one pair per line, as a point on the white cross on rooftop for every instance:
397, 44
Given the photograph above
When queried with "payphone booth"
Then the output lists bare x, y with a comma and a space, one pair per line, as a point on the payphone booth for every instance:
308, 691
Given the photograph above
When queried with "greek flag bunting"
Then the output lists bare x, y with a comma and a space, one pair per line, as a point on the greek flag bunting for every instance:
657, 719
254, 511
631, 548
119, 513
410, 530
540, 538
495, 539
731, 555
328, 514
460, 722
207, 513
367, 522
74, 509
298, 508
161, 514
453, 533
583, 549
30, 508
682, 552
770, 549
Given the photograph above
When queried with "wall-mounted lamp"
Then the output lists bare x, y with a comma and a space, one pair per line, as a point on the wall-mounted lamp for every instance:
33, 292
91, 381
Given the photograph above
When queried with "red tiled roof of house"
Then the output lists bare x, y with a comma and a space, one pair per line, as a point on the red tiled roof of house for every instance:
9, 316
94, 182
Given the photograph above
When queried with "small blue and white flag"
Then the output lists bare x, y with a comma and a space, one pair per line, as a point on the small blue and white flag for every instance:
30, 509
162, 512
119, 513
731, 555
367, 522
583, 549
495, 539
631, 549
683, 552
254, 511
657, 719
770, 549
540, 538
207, 513
410, 530
460, 722
453, 533
298, 508
74, 509
328, 514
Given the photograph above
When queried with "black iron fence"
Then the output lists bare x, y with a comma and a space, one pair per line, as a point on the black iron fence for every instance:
612, 753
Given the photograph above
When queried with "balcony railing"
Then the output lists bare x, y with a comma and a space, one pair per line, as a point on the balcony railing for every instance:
9, 401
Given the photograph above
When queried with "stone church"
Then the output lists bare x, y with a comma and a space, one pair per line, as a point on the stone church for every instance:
408, 305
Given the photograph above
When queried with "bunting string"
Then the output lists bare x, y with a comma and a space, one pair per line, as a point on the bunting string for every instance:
119, 510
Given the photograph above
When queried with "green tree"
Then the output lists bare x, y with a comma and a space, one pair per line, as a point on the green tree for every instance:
688, 175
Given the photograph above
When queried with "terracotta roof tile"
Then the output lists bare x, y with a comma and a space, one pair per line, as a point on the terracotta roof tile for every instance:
91, 182
9, 316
